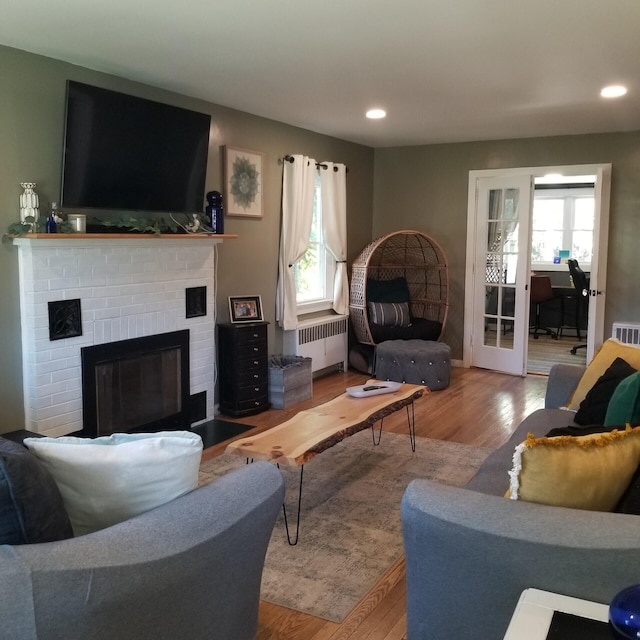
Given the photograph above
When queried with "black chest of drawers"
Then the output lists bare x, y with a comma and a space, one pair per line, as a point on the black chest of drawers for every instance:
243, 368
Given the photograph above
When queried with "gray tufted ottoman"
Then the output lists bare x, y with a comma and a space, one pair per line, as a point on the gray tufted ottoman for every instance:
414, 361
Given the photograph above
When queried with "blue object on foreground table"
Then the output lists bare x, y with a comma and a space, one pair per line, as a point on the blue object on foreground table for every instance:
624, 613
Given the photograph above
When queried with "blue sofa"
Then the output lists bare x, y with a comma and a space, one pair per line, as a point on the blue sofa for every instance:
470, 552
188, 569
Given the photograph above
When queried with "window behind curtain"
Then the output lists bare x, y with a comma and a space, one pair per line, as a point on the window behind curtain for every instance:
315, 271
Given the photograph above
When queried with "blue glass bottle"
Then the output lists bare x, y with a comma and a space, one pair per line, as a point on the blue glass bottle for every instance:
51, 225
624, 613
215, 212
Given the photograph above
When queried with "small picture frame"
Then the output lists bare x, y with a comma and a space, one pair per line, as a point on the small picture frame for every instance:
245, 309
243, 182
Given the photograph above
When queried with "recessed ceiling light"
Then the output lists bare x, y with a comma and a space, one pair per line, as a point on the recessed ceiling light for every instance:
613, 91
376, 114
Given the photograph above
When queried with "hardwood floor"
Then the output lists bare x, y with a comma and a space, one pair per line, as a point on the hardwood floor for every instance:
545, 352
480, 408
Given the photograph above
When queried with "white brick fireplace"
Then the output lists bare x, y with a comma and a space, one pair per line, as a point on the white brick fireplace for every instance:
128, 287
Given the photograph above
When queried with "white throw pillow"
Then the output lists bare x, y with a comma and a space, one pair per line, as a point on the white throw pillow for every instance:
109, 479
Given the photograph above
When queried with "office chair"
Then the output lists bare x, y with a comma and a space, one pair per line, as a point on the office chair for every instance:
541, 293
581, 284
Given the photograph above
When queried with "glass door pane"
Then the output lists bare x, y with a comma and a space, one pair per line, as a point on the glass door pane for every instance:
501, 267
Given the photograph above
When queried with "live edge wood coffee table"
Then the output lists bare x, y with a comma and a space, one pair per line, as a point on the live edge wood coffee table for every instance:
310, 432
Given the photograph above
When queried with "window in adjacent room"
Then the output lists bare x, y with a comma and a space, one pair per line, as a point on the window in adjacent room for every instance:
315, 271
562, 220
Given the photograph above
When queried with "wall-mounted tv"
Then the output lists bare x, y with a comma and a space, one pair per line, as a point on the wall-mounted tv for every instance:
127, 153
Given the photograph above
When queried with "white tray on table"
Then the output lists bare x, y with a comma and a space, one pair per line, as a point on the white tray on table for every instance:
375, 388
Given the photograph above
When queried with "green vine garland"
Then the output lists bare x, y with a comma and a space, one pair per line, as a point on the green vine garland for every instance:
125, 224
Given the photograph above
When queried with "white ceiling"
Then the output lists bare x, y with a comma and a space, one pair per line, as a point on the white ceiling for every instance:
445, 70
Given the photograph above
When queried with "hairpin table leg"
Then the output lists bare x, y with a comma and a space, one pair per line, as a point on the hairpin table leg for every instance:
284, 512
411, 420
373, 433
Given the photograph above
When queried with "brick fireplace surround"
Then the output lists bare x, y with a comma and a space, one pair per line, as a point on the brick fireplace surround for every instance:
128, 288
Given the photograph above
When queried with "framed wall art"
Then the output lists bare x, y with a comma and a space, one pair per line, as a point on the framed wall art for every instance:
245, 308
243, 182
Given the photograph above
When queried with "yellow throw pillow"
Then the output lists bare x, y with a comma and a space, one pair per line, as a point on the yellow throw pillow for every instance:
585, 472
602, 360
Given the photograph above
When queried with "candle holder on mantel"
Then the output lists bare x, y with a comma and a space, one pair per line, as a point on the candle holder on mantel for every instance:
29, 203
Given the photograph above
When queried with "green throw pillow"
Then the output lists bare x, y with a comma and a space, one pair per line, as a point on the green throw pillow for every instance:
624, 406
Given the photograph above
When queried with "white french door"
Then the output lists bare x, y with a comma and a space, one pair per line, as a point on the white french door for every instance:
496, 311
501, 269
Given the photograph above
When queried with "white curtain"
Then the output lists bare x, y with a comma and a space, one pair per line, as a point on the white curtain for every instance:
298, 185
333, 187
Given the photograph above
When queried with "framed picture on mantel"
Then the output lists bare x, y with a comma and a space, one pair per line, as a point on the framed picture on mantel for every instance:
243, 182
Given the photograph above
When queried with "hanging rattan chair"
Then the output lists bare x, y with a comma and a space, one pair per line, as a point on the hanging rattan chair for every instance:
410, 261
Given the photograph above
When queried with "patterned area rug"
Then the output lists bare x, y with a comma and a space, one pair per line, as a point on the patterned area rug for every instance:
350, 531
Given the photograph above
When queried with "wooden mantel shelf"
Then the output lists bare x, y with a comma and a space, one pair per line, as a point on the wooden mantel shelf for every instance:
126, 236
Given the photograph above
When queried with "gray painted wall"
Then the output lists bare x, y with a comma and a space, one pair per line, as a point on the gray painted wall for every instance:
425, 188
32, 90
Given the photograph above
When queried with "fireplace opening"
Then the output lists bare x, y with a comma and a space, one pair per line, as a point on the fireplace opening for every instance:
140, 384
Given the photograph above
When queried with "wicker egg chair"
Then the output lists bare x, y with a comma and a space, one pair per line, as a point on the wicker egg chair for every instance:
401, 256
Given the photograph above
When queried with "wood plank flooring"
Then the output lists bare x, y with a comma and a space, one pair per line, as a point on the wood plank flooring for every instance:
545, 352
479, 407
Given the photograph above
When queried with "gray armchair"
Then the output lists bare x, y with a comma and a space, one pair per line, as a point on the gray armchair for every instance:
189, 569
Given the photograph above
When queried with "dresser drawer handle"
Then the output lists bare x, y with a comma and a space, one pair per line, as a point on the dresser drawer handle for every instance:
256, 376
256, 349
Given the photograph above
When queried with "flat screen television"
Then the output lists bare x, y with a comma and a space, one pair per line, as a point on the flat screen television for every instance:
127, 153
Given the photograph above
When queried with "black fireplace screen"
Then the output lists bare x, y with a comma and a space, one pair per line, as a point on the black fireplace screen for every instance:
135, 385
